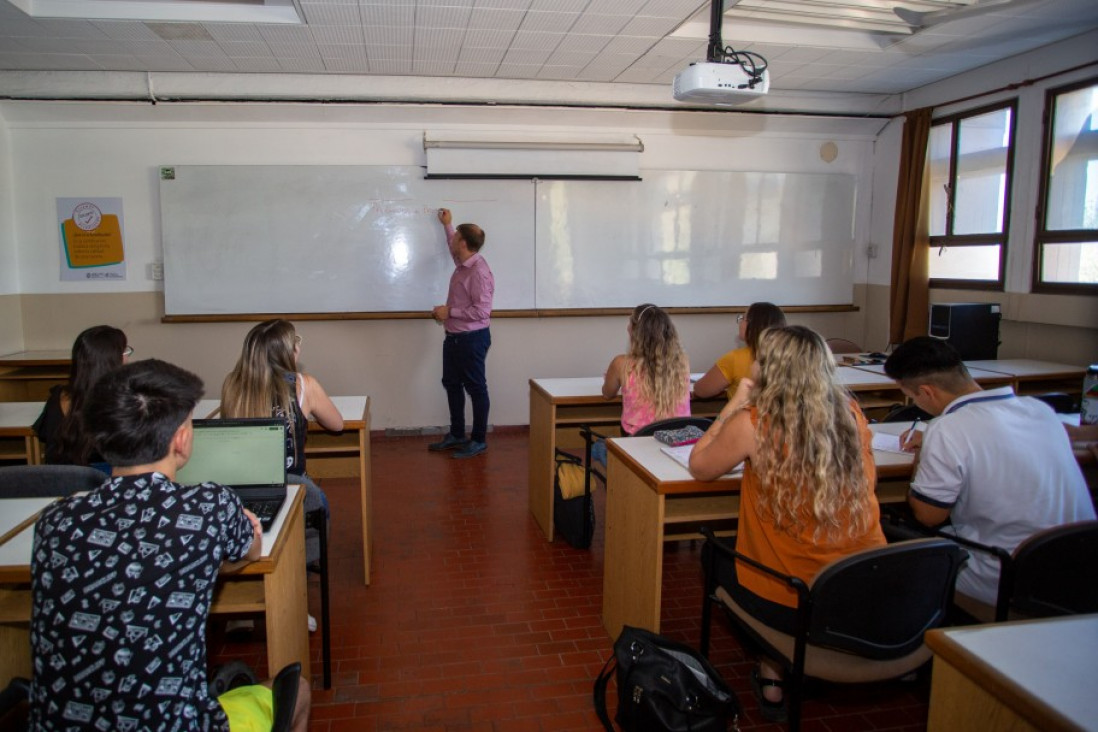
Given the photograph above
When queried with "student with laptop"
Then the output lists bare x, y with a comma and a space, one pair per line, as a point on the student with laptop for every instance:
266, 383
122, 577
998, 467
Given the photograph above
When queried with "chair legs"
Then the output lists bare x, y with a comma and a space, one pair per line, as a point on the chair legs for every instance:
316, 519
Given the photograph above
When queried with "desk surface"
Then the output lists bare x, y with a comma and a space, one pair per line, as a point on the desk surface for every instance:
1022, 368
19, 416
37, 358
351, 408
1042, 668
666, 476
980, 375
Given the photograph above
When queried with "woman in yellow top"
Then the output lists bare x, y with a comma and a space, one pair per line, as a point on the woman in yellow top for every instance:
807, 496
735, 365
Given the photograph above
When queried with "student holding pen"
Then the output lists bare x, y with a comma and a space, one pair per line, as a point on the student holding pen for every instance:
999, 467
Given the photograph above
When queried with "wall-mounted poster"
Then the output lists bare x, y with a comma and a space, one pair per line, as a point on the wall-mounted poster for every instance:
91, 239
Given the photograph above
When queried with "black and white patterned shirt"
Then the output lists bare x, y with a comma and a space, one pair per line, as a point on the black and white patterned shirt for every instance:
121, 581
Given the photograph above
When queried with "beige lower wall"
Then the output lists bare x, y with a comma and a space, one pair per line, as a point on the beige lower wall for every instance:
398, 362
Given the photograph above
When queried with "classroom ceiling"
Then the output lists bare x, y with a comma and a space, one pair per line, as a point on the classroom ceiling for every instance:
880, 47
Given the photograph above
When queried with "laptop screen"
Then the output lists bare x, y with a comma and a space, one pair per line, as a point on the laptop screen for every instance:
237, 452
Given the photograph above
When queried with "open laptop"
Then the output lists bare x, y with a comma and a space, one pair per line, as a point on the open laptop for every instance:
247, 455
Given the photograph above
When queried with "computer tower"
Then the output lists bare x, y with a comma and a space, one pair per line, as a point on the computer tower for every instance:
970, 327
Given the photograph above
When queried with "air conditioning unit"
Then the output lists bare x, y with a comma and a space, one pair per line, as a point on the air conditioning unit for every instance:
719, 83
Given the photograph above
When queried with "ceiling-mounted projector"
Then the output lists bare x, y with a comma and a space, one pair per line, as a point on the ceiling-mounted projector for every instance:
719, 83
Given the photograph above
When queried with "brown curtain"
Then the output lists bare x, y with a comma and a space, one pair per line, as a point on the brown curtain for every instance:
910, 295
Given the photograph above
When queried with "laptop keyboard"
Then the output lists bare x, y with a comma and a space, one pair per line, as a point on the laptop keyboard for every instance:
264, 509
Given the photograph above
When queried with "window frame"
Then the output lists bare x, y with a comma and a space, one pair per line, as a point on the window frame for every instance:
1041, 235
1001, 239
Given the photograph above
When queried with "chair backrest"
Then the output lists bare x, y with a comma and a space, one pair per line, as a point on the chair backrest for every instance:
29, 481
878, 603
284, 692
842, 345
1055, 571
906, 413
673, 423
1060, 402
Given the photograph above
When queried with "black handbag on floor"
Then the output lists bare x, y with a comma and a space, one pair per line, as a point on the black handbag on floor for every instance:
664, 686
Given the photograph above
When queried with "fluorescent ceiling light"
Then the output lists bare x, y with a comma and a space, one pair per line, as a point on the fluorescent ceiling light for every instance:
195, 11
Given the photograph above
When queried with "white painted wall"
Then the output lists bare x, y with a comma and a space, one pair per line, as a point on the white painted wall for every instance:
9, 273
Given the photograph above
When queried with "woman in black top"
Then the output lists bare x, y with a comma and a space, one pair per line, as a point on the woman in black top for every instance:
96, 351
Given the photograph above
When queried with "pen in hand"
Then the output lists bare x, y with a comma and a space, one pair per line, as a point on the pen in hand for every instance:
910, 439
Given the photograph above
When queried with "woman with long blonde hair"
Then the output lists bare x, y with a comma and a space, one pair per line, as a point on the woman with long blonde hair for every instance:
266, 382
654, 376
807, 496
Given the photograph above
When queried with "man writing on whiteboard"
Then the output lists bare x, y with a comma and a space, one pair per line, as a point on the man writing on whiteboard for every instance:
466, 317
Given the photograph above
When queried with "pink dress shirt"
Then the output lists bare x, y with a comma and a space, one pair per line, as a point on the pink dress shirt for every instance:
470, 296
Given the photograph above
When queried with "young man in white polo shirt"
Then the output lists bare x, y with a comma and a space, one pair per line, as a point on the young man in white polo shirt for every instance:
997, 466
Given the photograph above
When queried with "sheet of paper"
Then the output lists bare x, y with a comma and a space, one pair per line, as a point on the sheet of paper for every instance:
887, 443
681, 455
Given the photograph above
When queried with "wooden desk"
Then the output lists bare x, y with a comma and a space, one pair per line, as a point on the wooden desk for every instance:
983, 377
18, 443
1028, 675
28, 375
645, 492
274, 585
1036, 377
557, 409
343, 454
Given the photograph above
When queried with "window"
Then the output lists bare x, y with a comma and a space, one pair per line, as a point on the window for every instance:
1067, 218
969, 160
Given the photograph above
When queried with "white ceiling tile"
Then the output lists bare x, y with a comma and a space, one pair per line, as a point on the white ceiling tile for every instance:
476, 70
629, 44
539, 41
330, 51
474, 56
343, 34
118, 62
172, 62
420, 4
432, 68
220, 64
803, 54
570, 58
679, 47
255, 65
597, 24
347, 65
12, 45
584, 43
681, 9
48, 61
301, 65
441, 17
390, 66
193, 49
495, 19
518, 71
389, 53
595, 72
504, 4
616, 7
385, 14
125, 30
558, 6
636, 75
295, 50
285, 34
247, 50
526, 56
445, 38
550, 22
330, 14
234, 32
483, 38
70, 29
647, 26
389, 35
562, 73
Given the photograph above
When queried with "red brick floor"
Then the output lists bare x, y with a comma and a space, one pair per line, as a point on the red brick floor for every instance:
473, 622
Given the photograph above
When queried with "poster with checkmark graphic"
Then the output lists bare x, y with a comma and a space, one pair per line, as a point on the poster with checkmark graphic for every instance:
91, 239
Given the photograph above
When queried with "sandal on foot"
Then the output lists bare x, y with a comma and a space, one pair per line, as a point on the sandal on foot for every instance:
771, 711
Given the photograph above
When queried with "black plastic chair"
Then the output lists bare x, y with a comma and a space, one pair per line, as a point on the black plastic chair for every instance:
32, 481
1060, 402
284, 688
862, 618
15, 705
1053, 572
673, 423
316, 520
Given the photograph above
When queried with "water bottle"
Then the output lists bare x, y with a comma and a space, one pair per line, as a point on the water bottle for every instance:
1089, 412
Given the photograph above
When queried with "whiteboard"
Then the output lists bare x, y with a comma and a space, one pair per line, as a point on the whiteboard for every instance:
320, 239
689, 238
365, 239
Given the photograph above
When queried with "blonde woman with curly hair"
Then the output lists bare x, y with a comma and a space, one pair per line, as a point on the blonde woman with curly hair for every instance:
653, 377
807, 496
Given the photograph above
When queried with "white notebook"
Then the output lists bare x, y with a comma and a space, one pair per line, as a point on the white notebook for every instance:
681, 455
